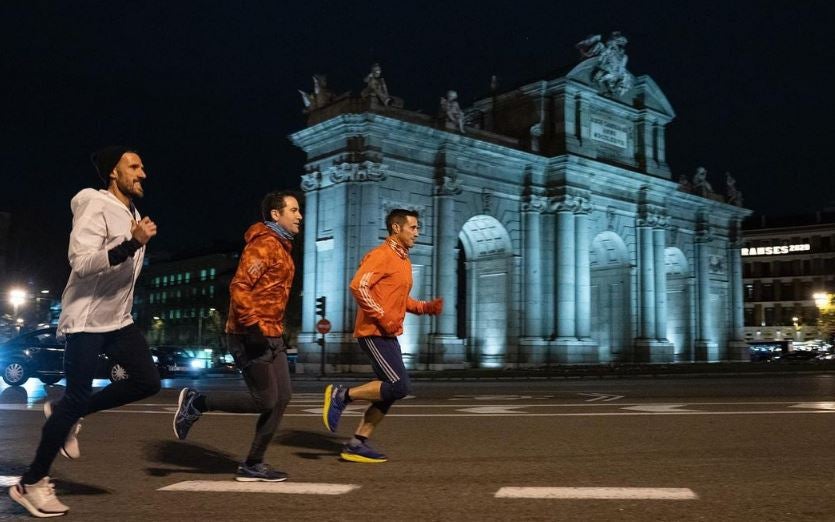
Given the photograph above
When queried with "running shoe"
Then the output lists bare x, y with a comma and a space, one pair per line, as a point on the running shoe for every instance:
259, 473
39, 498
334, 406
186, 414
362, 452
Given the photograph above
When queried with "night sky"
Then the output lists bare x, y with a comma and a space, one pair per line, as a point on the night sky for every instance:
207, 91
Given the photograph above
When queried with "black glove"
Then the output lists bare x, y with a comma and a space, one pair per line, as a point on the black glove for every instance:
255, 338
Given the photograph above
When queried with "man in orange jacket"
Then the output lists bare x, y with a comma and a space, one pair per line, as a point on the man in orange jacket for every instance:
258, 298
381, 287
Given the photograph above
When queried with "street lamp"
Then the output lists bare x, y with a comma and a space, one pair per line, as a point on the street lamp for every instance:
823, 300
17, 297
200, 326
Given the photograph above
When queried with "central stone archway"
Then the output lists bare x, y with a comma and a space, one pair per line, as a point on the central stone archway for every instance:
487, 250
611, 310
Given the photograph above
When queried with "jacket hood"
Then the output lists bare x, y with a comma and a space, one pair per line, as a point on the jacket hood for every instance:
260, 230
256, 230
83, 197
87, 195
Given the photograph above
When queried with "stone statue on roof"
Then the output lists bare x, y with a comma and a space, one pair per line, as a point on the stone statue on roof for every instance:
732, 194
451, 110
376, 86
320, 96
701, 185
610, 72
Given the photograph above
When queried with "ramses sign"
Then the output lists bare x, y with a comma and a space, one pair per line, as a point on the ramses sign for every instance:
775, 250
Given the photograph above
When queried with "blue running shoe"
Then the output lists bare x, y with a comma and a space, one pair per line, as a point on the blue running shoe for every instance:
186, 414
259, 473
334, 406
362, 453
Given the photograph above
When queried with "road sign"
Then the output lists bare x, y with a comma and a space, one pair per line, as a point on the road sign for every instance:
323, 326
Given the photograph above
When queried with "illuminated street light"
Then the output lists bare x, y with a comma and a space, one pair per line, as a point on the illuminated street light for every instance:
821, 299
17, 297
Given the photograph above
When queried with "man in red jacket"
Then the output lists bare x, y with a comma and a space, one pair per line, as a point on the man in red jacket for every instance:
381, 287
258, 298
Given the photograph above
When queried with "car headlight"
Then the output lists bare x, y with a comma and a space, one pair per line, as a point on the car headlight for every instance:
196, 363
155, 359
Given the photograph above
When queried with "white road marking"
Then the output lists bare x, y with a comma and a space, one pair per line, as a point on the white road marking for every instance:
597, 493
288, 488
815, 405
494, 409
8, 480
601, 397
659, 408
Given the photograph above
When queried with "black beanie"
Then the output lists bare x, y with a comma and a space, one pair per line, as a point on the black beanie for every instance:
105, 160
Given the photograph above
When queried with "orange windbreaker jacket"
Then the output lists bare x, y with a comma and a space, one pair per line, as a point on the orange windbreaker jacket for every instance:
381, 287
259, 291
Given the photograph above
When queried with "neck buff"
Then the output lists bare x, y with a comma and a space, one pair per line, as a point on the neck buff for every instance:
278, 229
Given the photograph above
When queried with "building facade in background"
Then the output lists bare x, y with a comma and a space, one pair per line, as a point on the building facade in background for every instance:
184, 300
551, 223
786, 261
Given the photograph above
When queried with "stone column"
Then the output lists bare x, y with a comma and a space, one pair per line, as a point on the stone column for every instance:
659, 242
737, 346
565, 283
652, 345
647, 280
582, 270
532, 250
310, 185
705, 347
446, 282
446, 349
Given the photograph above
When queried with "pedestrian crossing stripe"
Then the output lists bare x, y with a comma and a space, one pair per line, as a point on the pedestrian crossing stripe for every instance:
599, 493
9, 480
288, 488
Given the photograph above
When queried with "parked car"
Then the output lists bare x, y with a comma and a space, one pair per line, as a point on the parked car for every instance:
181, 360
32, 354
39, 354
797, 356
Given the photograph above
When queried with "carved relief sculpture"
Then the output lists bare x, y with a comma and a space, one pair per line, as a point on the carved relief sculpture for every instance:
610, 72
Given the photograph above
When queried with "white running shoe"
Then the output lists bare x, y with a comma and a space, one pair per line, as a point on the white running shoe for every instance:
70, 449
38, 498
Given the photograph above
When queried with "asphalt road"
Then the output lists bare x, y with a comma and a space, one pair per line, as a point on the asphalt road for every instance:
697, 448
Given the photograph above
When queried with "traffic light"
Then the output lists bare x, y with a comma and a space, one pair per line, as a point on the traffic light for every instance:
321, 302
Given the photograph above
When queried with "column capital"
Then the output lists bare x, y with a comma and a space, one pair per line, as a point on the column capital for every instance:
653, 216
534, 204
363, 171
448, 186
577, 202
311, 181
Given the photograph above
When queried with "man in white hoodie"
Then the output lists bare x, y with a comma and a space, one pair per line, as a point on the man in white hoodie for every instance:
107, 246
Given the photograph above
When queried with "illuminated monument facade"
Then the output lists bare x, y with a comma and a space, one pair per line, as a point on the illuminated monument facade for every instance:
551, 225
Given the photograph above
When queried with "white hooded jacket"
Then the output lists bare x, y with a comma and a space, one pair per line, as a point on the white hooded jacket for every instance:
99, 297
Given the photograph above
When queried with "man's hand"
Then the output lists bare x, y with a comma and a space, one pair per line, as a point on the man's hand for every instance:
434, 307
255, 337
389, 326
144, 230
